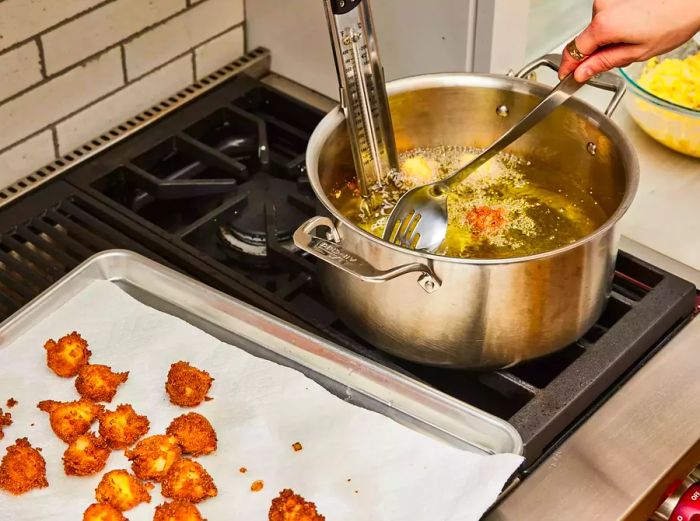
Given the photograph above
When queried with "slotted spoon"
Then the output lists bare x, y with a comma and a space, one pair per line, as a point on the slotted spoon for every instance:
419, 219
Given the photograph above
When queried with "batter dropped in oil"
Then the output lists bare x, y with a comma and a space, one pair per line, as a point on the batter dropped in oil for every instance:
505, 209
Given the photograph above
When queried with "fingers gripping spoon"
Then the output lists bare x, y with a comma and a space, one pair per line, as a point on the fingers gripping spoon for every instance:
419, 219
363, 95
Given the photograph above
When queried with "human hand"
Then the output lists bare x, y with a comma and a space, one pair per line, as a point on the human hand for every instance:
626, 31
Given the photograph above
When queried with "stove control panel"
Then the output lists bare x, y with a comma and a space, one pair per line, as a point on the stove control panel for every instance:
681, 501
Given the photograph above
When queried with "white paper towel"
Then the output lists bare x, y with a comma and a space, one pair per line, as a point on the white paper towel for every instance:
356, 465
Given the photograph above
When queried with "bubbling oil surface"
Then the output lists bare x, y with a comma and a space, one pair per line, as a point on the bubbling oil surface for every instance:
504, 209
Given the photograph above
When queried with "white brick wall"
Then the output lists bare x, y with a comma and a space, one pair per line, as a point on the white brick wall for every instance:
31, 154
216, 53
60, 96
72, 69
23, 19
102, 28
185, 31
19, 69
120, 106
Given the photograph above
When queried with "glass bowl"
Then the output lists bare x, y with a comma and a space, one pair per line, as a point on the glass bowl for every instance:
671, 124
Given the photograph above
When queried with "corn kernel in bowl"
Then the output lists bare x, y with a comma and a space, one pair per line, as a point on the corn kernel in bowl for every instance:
674, 80
677, 81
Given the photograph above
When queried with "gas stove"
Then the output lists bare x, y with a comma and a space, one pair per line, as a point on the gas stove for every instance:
212, 183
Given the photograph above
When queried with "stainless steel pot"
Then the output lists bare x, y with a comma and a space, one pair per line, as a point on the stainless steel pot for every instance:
474, 313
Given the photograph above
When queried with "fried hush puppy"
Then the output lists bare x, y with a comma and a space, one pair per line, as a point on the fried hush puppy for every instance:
177, 510
102, 512
22, 468
188, 480
5, 421
71, 419
194, 433
187, 386
122, 427
87, 454
68, 355
289, 506
121, 490
98, 383
152, 457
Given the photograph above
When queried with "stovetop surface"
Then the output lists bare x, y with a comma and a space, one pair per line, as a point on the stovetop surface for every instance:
216, 190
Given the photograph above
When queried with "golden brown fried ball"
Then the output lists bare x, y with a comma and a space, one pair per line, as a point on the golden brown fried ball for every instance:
152, 457
289, 506
194, 433
102, 512
121, 490
187, 386
22, 468
87, 454
5, 421
122, 427
68, 355
98, 383
177, 510
188, 480
71, 419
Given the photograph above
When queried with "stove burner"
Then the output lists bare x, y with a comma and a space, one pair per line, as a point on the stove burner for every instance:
234, 235
251, 246
263, 218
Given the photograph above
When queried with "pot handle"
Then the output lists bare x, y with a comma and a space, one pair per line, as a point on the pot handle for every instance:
331, 250
606, 80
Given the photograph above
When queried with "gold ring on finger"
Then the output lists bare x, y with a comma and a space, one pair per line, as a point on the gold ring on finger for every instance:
574, 52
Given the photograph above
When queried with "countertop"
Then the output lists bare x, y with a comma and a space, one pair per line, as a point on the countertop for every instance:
664, 215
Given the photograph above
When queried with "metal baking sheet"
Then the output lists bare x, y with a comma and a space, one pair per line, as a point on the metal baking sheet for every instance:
348, 376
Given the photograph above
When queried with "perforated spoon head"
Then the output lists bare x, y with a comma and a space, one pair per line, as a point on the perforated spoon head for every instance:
419, 219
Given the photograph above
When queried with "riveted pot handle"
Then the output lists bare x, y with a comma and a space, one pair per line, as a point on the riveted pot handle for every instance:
331, 250
606, 80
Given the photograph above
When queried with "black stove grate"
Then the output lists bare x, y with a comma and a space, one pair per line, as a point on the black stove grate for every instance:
214, 190
49, 232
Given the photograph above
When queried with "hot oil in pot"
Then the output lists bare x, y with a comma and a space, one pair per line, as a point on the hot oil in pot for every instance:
505, 209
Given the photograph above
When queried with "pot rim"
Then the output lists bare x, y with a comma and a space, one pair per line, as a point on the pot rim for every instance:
465, 79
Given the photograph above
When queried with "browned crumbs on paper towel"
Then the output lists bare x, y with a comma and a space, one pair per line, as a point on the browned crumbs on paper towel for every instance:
297, 446
22, 468
289, 506
257, 485
194, 434
5, 421
102, 512
123, 427
11, 402
243, 470
121, 490
188, 480
177, 510
68, 355
86, 455
152, 457
187, 386
70, 419
98, 382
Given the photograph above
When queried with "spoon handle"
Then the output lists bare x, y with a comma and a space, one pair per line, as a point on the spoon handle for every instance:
562, 92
